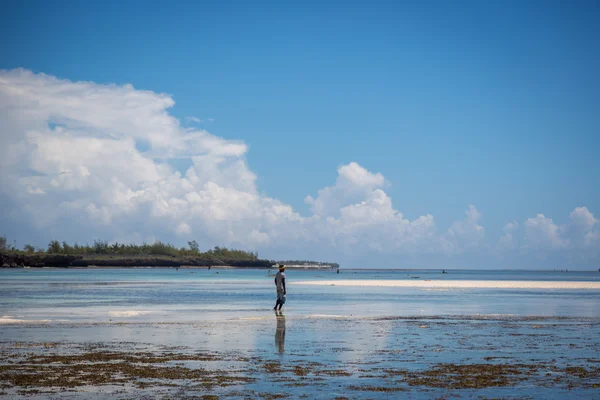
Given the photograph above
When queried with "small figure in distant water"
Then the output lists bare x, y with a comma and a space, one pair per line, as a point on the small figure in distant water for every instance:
338, 270
443, 271
280, 286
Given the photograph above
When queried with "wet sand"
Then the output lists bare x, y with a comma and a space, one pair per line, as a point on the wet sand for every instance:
457, 284
316, 356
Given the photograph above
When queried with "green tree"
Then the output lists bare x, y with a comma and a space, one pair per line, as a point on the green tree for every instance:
3, 243
100, 246
54, 247
161, 248
29, 248
194, 247
67, 249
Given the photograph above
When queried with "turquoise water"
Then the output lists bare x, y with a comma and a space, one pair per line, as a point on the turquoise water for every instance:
362, 331
167, 294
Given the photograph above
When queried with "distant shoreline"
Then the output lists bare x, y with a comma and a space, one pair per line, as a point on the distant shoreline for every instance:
44, 260
272, 267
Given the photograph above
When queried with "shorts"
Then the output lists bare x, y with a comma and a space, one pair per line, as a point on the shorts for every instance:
281, 297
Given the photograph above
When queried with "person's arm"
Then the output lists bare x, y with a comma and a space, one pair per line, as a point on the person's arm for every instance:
283, 281
275, 280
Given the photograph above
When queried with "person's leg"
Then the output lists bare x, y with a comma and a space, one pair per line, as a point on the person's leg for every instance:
278, 302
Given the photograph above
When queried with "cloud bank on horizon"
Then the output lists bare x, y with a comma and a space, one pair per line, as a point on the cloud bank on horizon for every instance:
81, 160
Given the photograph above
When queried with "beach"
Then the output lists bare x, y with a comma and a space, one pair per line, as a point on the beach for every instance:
161, 333
458, 284
309, 357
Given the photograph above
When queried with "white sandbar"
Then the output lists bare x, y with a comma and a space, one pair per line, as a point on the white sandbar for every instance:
9, 320
459, 284
128, 313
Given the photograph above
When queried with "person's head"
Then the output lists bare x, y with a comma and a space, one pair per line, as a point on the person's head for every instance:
281, 267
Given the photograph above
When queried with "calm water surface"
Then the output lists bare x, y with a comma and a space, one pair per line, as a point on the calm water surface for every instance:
167, 294
361, 331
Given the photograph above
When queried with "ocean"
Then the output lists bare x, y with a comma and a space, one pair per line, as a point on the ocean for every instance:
351, 337
170, 295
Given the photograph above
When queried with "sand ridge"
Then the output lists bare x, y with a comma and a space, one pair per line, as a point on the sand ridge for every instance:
456, 284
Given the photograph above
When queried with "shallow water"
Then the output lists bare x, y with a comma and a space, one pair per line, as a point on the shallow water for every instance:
331, 342
169, 295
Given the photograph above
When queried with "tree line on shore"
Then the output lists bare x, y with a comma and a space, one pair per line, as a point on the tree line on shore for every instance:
102, 248
158, 248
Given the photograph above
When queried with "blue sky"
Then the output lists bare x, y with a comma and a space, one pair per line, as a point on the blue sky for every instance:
494, 104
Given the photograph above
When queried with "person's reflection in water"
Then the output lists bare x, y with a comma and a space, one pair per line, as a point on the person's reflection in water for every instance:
280, 332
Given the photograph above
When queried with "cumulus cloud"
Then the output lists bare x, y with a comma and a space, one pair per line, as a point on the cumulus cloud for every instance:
353, 184
466, 234
506, 241
97, 161
583, 228
581, 233
69, 150
374, 225
542, 233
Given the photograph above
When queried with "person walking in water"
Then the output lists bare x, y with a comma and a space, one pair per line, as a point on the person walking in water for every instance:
280, 286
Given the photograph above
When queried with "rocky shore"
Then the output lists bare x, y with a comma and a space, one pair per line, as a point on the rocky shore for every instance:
19, 260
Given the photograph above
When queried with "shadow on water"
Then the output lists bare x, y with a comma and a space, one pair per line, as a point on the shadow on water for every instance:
280, 332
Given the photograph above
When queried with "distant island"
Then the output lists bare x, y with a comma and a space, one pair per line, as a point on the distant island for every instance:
157, 254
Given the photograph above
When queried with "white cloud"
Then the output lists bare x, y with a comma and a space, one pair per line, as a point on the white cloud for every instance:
511, 226
542, 233
506, 241
183, 229
583, 228
73, 146
372, 225
581, 234
95, 161
353, 184
466, 234
197, 120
